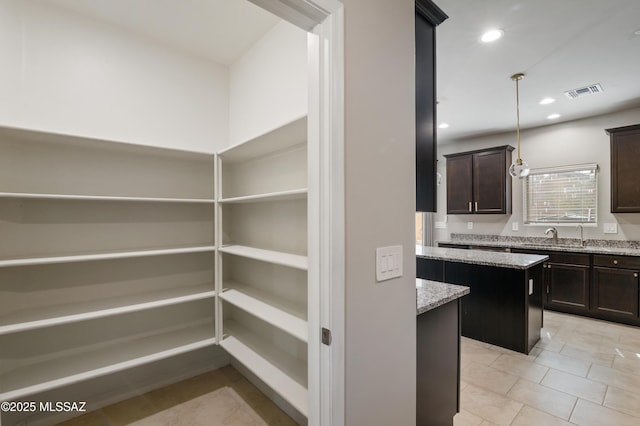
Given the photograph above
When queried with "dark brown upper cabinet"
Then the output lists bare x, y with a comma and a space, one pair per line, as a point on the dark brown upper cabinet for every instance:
478, 182
427, 17
625, 173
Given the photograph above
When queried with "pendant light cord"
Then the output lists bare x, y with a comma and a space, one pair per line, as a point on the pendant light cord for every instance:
517, 78
518, 120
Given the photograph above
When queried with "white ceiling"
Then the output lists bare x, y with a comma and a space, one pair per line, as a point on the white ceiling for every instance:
217, 30
559, 45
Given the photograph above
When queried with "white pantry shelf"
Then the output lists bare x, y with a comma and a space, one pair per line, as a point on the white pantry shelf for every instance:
288, 135
106, 359
49, 316
294, 194
102, 256
107, 198
285, 374
40, 136
285, 321
279, 258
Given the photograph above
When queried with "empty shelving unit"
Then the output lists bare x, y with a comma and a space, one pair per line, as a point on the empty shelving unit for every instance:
262, 258
117, 256
107, 258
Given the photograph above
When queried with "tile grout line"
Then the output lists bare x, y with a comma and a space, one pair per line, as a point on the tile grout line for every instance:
516, 416
575, 404
604, 398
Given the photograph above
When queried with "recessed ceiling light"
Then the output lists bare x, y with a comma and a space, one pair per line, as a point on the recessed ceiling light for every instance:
547, 101
443, 126
637, 32
553, 116
491, 35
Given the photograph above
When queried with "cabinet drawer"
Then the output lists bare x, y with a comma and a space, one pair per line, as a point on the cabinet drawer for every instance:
568, 258
559, 257
453, 245
610, 261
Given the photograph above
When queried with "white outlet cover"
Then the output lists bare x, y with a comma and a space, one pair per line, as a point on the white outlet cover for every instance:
440, 225
611, 228
515, 226
469, 225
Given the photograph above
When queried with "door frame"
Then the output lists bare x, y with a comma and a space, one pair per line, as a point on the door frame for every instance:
324, 22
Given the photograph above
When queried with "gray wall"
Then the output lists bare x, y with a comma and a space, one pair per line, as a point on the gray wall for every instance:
575, 142
380, 206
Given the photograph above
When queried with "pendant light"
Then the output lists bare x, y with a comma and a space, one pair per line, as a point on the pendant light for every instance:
519, 168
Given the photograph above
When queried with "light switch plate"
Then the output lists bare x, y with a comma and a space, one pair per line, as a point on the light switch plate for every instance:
440, 225
610, 228
388, 262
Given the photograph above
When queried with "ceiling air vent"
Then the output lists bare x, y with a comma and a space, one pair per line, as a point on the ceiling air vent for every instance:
584, 91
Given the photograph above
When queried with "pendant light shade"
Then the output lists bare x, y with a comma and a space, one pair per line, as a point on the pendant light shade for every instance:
520, 168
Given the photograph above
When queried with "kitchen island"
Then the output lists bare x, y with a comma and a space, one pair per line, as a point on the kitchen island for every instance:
592, 278
504, 307
438, 352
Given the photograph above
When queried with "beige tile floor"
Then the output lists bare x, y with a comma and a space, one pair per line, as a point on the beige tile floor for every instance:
149, 404
582, 372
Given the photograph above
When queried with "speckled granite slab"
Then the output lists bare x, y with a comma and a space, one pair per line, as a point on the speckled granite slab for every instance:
431, 294
478, 257
616, 247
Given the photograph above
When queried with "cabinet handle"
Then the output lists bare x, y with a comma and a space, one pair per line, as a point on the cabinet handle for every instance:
469, 205
549, 266
476, 206
615, 262
635, 275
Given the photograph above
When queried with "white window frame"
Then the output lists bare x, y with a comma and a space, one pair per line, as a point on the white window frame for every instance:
559, 169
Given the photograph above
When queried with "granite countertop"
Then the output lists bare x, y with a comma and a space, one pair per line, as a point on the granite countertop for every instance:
478, 257
571, 245
431, 294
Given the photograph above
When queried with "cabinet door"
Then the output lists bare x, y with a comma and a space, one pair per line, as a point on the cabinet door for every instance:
568, 286
426, 147
615, 291
625, 174
489, 183
459, 184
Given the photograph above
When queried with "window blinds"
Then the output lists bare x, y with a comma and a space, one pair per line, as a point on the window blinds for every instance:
565, 194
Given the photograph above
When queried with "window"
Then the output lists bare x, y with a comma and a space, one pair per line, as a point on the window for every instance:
419, 233
565, 194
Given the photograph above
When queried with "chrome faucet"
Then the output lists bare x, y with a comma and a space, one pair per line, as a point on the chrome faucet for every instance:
554, 232
582, 241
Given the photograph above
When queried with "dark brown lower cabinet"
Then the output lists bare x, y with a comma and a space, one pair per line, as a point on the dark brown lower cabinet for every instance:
504, 307
615, 286
568, 281
595, 285
438, 365
430, 269
568, 286
615, 291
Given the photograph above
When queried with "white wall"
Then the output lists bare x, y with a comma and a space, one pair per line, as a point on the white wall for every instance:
268, 84
380, 207
62, 72
576, 142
